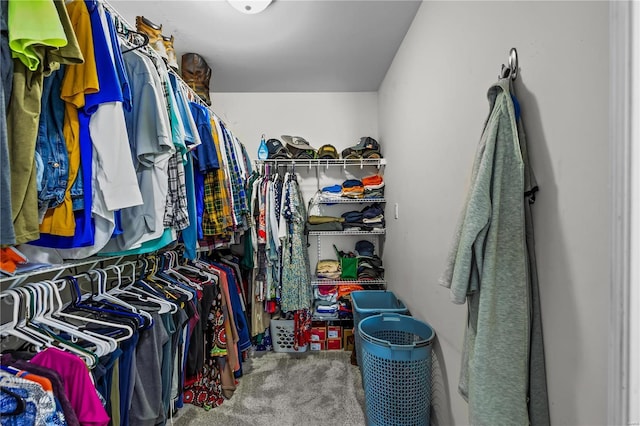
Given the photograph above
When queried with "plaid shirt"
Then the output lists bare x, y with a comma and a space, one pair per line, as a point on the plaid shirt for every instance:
216, 218
237, 186
176, 214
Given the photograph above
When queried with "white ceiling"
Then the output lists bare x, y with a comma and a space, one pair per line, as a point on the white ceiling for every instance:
293, 46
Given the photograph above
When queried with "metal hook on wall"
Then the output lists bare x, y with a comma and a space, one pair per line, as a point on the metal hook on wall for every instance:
511, 70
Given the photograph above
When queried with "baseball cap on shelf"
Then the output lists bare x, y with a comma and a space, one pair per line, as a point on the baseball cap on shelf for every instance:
367, 143
299, 147
350, 153
277, 150
365, 248
328, 152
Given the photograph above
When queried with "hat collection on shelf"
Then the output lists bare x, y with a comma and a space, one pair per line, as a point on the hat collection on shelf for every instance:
296, 147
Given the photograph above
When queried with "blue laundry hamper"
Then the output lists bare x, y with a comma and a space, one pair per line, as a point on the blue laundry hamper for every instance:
396, 370
372, 302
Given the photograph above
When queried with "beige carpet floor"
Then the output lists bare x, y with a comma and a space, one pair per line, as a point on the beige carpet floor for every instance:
313, 388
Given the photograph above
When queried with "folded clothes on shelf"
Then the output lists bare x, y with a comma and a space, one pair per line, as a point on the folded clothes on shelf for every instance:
329, 226
373, 181
317, 219
373, 193
327, 298
327, 309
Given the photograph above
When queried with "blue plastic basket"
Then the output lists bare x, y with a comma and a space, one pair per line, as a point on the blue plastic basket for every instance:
396, 369
372, 302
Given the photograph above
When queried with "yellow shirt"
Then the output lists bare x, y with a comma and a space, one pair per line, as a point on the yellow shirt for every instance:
79, 80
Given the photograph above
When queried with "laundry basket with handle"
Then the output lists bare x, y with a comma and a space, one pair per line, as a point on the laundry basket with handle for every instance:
396, 369
372, 302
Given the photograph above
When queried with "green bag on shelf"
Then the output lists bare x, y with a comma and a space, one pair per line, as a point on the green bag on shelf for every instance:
348, 264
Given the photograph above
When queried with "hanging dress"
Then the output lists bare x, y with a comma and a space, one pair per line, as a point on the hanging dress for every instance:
296, 285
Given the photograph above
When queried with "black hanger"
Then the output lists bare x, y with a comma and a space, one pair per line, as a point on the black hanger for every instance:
20, 404
144, 43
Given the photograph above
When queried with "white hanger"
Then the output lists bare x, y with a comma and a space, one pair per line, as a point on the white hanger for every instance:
90, 358
11, 328
103, 295
165, 306
35, 318
56, 310
104, 345
172, 286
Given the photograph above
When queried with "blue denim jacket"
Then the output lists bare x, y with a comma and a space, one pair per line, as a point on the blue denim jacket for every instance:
50, 144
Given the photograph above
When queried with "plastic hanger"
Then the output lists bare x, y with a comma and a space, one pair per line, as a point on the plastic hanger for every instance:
164, 305
56, 311
90, 358
77, 303
103, 344
11, 328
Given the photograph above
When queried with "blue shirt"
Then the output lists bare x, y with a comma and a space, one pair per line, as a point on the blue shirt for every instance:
184, 109
123, 79
206, 151
110, 91
190, 233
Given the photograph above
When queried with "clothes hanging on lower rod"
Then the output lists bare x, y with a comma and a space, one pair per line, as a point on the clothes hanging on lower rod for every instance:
156, 334
275, 252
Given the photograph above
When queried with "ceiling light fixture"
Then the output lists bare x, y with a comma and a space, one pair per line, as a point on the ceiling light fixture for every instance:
250, 7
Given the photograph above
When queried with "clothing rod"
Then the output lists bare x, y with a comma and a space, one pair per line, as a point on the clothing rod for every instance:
59, 270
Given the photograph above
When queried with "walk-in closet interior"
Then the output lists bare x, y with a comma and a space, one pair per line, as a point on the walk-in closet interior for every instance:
197, 195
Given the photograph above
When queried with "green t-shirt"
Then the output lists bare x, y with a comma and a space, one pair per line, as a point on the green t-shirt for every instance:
32, 24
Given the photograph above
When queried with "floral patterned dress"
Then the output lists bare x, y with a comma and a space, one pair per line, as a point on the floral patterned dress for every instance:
296, 281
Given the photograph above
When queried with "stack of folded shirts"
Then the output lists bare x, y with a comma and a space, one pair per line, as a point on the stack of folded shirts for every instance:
352, 219
324, 223
329, 193
326, 294
352, 188
328, 269
373, 186
368, 219
373, 216
322, 311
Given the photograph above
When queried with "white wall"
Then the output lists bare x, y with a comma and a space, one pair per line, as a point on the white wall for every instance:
339, 119
432, 109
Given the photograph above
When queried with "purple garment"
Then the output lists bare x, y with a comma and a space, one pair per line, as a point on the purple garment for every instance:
54, 378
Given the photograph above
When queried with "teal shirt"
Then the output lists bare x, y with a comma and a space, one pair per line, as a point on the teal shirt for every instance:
488, 268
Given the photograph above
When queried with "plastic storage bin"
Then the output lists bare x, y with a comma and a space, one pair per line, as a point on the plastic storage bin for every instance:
396, 369
372, 302
282, 336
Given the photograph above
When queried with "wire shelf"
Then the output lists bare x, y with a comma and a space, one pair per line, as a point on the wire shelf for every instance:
57, 269
320, 200
323, 162
322, 281
372, 232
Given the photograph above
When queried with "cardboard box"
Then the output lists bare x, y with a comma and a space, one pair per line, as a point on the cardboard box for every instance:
316, 346
318, 334
334, 332
334, 344
349, 339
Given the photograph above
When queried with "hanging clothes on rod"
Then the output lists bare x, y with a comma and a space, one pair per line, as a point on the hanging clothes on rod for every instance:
91, 195
151, 319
